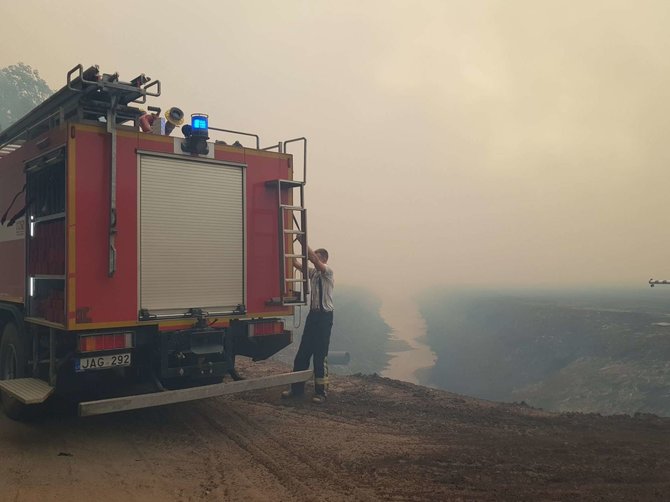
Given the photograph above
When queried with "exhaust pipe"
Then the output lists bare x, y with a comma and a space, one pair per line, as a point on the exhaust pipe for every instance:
339, 357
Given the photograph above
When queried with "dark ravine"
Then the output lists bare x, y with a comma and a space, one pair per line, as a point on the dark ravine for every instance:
602, 352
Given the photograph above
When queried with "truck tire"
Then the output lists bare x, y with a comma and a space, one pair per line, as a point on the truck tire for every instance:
12, 365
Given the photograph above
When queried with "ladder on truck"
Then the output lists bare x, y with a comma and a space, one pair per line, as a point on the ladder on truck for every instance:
292, 230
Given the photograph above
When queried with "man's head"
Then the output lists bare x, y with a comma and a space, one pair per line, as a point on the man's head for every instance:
322, 254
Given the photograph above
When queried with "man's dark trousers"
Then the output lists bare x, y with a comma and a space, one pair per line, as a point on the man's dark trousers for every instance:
315, 342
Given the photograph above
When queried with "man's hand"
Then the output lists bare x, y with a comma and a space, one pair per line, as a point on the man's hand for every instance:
314, 258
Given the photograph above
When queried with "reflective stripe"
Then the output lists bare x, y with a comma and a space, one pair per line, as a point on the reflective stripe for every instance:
324, 380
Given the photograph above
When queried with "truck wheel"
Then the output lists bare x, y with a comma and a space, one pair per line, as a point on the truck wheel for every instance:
12, 365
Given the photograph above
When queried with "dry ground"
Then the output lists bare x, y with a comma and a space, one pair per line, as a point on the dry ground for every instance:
375, 439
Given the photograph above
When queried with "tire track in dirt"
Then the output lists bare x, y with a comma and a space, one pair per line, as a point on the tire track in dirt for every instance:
111, 447
161, 437
133, 452
142, 455
220, 479
219, 469
232, 472
295, 469
222, 422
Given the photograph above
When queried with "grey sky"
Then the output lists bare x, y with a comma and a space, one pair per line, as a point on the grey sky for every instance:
450, 142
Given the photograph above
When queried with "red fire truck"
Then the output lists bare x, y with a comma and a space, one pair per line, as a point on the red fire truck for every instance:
141, 260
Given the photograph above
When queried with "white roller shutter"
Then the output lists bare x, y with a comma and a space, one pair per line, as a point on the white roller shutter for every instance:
191, 235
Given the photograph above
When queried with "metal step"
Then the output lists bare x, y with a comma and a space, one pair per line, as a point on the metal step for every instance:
285, 183
292, 208
27, 390
295, 280
290, 300
295, 232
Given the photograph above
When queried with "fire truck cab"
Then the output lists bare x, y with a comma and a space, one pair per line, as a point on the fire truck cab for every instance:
132, 259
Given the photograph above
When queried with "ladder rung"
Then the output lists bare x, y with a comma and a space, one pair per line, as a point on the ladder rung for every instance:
296, 232
295, 280
295, 256
297, 301
285, 183
292, 208
291, 183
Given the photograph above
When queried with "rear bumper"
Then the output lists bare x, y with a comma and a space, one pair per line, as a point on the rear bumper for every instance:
179, 396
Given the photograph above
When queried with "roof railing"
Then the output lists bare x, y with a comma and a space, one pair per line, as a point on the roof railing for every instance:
256, 136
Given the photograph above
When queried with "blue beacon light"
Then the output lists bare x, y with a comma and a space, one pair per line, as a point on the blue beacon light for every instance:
199, 124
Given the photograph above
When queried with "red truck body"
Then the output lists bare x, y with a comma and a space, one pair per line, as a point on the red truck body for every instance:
131, 251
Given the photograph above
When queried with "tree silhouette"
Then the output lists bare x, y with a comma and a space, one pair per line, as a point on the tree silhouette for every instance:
21, 89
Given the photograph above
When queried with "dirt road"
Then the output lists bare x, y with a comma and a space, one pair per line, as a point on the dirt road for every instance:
375, 439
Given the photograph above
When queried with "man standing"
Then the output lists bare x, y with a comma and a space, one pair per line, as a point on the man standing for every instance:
316, 335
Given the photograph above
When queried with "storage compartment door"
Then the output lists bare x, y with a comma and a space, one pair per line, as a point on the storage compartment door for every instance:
191, 235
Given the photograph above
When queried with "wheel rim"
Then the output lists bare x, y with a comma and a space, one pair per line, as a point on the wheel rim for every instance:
9, 364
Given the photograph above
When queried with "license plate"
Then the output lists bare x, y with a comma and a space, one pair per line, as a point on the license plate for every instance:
101, 362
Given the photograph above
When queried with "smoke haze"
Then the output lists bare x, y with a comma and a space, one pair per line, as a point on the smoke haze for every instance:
515, 143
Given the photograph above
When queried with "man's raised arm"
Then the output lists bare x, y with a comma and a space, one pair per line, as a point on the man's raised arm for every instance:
314, 258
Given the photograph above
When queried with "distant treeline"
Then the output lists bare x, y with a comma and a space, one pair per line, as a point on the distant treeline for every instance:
21, 89
358, 329
575, 350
